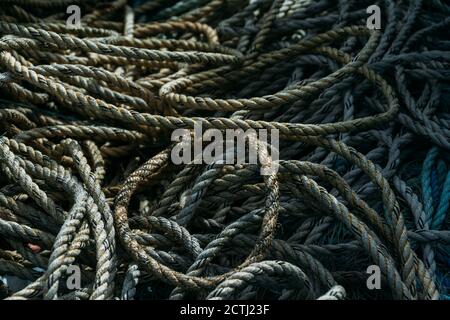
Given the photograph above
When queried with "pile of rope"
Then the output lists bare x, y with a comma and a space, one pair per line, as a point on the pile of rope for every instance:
88, 186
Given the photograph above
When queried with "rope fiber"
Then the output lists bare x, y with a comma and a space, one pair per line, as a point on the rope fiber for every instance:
92, 205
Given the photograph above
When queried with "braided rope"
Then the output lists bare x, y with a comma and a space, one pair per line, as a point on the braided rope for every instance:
87, 172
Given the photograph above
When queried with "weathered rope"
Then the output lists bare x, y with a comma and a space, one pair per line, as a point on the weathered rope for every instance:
89, 186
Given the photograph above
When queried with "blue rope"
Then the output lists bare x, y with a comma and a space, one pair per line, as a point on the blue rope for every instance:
442, 209
434, 187
435, 180
138, 2
427, 194
441, 169
444, 254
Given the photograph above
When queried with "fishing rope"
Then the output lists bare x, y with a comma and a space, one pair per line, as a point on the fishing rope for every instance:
94, 207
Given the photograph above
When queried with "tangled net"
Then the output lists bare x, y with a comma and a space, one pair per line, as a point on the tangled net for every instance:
87, 181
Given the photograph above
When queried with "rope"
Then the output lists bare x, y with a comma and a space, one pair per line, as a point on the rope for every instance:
93, 205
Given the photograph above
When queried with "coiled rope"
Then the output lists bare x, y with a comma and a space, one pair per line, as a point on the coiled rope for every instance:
88, 186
